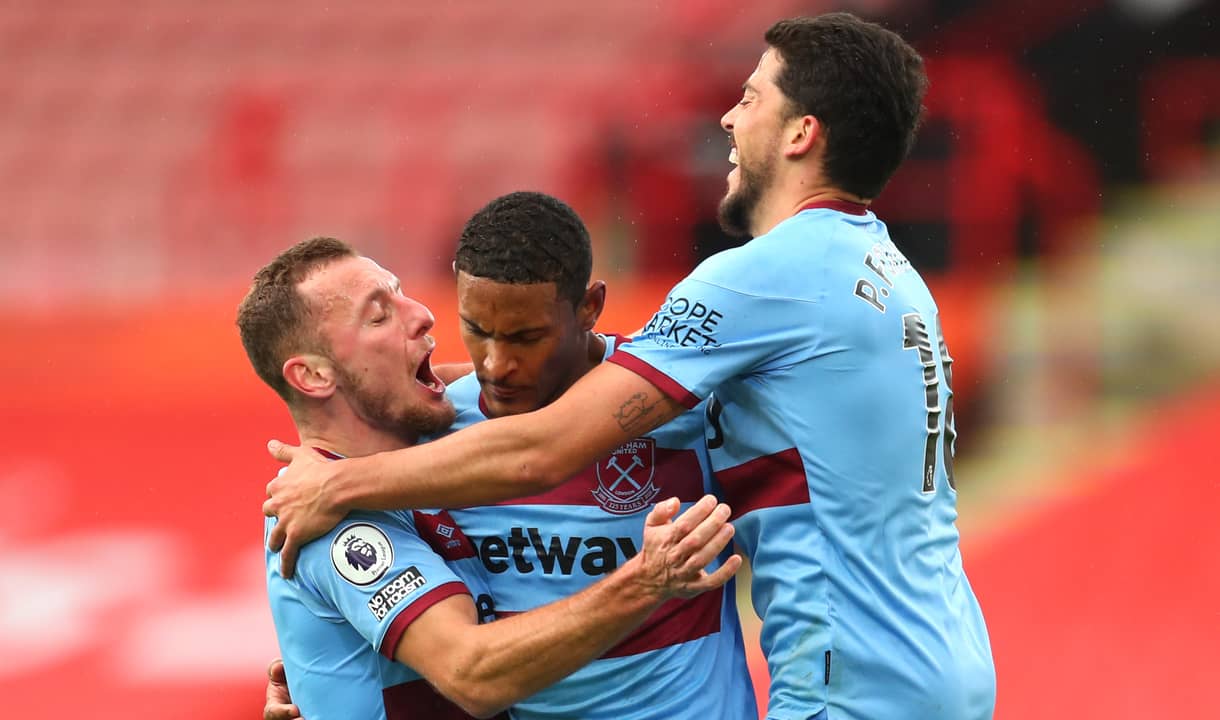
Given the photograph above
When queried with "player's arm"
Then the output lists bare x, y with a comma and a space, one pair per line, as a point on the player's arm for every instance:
488, 462
449, 372
486, 668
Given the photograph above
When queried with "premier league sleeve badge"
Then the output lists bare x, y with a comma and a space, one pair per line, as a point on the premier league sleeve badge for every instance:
361, 554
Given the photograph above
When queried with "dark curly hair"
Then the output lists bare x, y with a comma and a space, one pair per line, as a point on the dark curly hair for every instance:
273, 317
528, 237
864, 83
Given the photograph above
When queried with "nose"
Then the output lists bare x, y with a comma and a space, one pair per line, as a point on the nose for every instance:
498, 363
417, 318
726, 120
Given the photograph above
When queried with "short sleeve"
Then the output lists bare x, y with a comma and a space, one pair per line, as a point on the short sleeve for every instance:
377, 572
706, 333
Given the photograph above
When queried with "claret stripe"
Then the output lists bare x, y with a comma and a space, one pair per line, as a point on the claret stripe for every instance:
417, 699
774, 480
677, 621
443, 534
664, 383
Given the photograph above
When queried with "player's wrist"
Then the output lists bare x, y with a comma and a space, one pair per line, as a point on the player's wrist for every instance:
342, 492
640, 584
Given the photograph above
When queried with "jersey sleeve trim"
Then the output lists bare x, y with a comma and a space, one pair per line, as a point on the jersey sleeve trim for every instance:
664, 383
399, 625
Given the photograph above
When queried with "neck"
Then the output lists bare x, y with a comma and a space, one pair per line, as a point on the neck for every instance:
345, 434
779, 206
594, 351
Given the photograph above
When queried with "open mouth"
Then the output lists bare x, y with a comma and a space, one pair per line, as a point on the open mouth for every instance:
424, 375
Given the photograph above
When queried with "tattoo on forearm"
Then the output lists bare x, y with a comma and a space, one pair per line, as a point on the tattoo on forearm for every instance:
631, 415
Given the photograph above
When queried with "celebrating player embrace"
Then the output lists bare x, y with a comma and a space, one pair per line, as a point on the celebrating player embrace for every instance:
385, 610
829, 419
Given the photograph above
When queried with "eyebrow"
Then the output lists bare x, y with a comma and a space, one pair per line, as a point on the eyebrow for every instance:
376, 294
381, 291
480, 329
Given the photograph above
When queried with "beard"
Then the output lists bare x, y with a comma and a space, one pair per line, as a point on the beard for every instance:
736, 211
408, 420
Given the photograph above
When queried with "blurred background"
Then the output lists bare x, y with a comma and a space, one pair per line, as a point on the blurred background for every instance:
1063, 203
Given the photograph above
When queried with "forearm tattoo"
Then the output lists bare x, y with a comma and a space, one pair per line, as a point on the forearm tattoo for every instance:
632, 415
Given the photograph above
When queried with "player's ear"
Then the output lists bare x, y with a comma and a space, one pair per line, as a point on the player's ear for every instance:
802, 135
311, 375
592, 304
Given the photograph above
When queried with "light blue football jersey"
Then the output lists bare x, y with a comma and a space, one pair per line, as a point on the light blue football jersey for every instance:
831, 435
687, 661
355, 591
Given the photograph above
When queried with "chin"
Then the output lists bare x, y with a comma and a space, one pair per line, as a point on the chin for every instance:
734, 216
512, 407
434, 419
500, 409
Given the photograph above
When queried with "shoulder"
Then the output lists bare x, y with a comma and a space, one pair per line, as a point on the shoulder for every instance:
614, 342
800, 259
360, 549
464, 394
765, 266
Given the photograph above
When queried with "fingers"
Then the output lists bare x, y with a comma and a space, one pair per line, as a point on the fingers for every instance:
278, 539
279, 704
274, 484
677, 552
280, 451
722, 574
662, 512
705, 544
695, 514
275, 539
701, 534
275, 672
288, 557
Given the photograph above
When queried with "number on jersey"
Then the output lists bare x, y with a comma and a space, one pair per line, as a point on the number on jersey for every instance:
915, 337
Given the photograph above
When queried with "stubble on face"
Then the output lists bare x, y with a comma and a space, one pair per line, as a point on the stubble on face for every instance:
737, 208
404, 418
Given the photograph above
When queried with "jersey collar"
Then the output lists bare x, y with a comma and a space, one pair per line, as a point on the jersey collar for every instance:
843, 206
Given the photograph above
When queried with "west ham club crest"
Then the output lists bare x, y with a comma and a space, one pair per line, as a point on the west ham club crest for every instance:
625, 479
